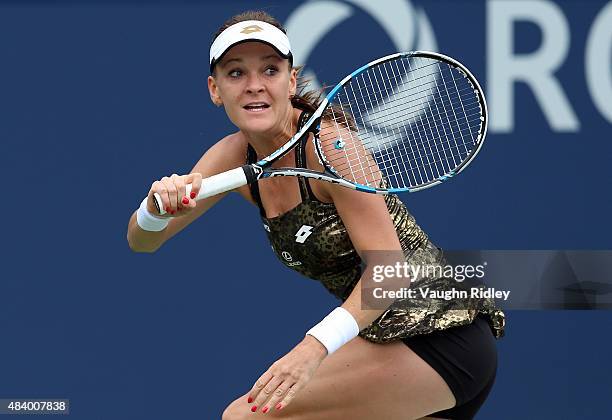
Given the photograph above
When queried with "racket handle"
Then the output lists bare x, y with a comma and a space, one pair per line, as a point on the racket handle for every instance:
216, 184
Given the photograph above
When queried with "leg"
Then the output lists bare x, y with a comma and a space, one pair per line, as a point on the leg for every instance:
363, 381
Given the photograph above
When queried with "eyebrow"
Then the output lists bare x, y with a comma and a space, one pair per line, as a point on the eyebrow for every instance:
239, 60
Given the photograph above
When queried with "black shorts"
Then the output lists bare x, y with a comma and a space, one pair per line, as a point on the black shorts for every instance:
466, 358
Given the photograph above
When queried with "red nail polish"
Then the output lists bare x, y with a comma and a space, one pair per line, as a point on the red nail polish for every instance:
167, 209
185, 200
265, 410
192, 195
250, 400
172, 212
278, 406
254, 408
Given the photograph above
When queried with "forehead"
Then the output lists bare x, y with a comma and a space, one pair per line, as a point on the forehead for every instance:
250, 50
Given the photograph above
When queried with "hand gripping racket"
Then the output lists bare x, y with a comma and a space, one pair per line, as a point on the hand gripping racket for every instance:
402, 123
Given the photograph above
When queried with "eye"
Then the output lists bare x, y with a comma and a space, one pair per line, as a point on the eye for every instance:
235, 73
271, 70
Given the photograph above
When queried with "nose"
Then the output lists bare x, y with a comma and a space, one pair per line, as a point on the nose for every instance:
254, 84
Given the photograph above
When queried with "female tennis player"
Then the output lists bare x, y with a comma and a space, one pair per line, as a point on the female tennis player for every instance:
431, 359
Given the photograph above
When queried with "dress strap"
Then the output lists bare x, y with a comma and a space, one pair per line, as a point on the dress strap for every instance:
300, 158
251, 157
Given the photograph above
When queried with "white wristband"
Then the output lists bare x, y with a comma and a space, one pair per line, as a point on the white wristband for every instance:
335, 330
147, 221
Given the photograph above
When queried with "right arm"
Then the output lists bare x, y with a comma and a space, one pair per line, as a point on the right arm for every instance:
229, 153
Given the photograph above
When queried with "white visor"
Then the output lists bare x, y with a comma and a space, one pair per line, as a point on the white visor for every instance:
249, 30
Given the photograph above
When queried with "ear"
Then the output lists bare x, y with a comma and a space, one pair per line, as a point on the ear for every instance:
213, 90
292, 82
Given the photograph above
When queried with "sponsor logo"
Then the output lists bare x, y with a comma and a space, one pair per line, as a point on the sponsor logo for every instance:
289, 259
408, 27
541, 70
303, 234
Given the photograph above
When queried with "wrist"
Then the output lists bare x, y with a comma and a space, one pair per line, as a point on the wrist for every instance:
315, 346
335, 330
148, 221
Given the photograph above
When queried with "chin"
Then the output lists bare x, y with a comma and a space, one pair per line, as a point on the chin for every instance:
257, 124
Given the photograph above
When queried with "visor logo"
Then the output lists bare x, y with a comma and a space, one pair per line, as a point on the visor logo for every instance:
250, 29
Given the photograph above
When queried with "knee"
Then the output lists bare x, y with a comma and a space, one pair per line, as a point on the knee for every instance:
240, 410
232, 412
227, 414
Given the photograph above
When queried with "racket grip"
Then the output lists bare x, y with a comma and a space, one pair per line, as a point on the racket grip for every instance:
216, 184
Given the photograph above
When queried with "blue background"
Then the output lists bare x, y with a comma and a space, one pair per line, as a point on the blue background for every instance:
97, 100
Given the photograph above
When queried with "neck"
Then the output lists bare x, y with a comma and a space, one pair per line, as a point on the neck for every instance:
266, 143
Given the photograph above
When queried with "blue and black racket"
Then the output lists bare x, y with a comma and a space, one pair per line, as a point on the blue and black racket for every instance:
402, 123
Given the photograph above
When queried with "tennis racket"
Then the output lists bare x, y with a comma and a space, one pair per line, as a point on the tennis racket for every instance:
401, 123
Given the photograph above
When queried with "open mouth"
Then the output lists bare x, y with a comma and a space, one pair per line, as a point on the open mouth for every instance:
256, 106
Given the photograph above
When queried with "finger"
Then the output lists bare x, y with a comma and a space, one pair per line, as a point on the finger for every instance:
185, 204
159, 188
289, 396
266, 393
195, 179
179, 183
188, 204
172, 195
276, 397
259, 385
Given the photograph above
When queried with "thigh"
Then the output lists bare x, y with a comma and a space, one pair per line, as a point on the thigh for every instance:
363, 380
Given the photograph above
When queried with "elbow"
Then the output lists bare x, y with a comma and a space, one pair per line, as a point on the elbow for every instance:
140, 248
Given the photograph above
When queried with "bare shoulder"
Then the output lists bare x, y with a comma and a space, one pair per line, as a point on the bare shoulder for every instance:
228, 153
322, 189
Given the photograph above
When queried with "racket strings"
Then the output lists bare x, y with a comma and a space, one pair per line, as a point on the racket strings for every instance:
437, 126
417, 108
407, 122
398, 113
430, 160
390, 91
391, 159
432, 141
413, 154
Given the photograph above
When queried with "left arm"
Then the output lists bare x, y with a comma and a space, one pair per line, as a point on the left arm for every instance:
360, 212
